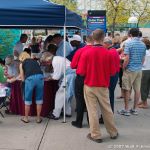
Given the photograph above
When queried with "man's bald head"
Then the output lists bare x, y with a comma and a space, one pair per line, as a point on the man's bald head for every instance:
98, 35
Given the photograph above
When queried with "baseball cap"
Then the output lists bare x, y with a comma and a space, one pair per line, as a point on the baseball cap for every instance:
76, 38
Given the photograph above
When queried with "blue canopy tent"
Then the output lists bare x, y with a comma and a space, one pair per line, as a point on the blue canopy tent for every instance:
38, 14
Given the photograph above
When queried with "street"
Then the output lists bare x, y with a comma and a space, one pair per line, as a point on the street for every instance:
134, 133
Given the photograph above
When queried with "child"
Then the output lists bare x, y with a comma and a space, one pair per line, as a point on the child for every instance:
3, 80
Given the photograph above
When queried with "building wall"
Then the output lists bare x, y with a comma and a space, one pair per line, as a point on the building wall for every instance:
145, 32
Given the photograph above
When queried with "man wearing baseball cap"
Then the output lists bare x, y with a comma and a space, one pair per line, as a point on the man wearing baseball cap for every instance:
75, 41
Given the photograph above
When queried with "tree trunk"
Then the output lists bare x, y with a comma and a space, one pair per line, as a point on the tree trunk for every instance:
113, 25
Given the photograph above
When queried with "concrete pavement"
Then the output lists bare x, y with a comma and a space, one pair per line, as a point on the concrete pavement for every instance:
134, 133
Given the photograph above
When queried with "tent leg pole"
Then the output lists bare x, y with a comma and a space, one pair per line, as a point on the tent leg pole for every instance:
64, 121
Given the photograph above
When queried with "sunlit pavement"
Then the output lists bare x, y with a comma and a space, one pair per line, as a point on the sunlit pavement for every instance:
134, 133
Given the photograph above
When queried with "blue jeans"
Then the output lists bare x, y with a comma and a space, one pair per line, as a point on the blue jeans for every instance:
112, 86
34, 82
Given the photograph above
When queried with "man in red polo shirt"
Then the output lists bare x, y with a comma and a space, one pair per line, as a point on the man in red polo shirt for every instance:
96, 67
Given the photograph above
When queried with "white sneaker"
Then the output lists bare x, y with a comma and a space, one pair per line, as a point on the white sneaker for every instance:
124, 112
133, 111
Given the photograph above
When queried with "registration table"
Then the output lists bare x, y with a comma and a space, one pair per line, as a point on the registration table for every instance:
17, 104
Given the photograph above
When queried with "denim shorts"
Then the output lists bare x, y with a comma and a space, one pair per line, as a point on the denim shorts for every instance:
34, 83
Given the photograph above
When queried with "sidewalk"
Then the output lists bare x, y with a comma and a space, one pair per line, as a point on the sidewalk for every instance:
134, 133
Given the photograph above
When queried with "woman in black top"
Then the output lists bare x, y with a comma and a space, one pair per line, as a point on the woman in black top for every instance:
32, 75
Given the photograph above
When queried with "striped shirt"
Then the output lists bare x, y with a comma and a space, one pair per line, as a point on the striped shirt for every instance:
136, 50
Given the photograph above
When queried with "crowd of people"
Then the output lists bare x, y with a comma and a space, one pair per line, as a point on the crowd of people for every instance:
92, 71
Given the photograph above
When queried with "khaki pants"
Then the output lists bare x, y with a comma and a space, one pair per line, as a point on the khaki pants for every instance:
93, 97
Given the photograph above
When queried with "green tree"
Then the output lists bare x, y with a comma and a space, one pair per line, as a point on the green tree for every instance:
8, 38
70, 4
117, 13
140, 9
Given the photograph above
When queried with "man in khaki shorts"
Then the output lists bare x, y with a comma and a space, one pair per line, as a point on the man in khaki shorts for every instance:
134, 52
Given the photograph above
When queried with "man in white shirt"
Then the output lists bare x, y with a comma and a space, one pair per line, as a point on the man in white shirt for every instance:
57, 63
19, 45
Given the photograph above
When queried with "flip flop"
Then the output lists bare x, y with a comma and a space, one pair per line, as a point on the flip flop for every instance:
142, 106
39, 121
140, 103
119, 97
24, 121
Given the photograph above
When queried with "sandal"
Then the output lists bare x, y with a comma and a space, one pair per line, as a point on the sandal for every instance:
140, 103
24, 121
143, 106
39, 120
119, 97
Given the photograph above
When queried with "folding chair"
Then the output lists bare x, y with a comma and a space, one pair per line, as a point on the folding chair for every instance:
3, 99
1, 105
